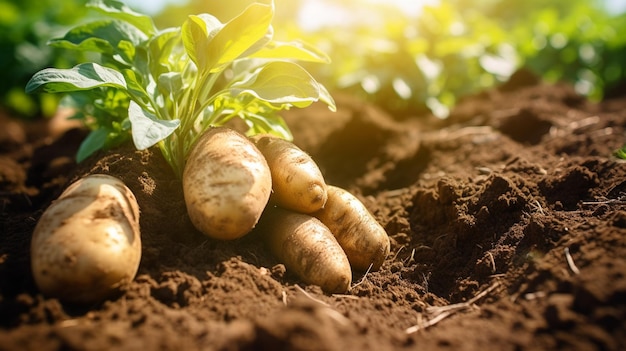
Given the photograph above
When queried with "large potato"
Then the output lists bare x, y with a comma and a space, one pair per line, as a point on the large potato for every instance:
297, 181
226, 184
307, 248
362, 238
87, 244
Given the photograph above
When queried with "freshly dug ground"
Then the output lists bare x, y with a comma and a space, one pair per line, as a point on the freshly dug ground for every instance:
507, 222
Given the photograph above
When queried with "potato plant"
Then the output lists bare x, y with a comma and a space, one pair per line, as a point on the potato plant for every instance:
176, 88
166, 87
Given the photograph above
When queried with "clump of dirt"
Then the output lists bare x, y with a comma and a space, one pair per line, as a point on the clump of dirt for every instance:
507, 222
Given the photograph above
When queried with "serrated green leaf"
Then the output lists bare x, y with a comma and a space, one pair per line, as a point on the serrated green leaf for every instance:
147, 129
280, 82
119, 10
294, 50
239, 35
84, 76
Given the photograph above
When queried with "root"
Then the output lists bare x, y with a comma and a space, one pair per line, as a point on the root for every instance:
439, 313
284, 297
311, 297
326, 309
619, 201
493, 262
570, 261
397, 252
362, 279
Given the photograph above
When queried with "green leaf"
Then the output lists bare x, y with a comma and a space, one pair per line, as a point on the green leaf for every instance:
621, 153
135, 87
197, 34
267, 124
84, 76
239, 35
119, 10
161, 48
105, 37
92, 143
170, 83
326, 98
280, 82
260, 44
126, 50
294, 50
147, 129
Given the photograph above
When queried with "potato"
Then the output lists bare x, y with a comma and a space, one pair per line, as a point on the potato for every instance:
297, 181
87, 244
226, 184
306, 246
362, 238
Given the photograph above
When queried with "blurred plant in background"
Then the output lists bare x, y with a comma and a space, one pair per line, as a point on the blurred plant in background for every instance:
25, 28
408, 58
410, 64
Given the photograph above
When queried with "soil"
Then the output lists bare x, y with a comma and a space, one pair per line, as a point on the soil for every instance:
507, 223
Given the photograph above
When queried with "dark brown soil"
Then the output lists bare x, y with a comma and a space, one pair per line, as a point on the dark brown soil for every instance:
507, 223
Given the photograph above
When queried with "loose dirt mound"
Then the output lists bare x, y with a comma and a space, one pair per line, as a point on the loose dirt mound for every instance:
507, 222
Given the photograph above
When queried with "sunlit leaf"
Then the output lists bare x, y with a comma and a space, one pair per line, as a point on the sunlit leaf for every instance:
147, 129
326, 98
119, 10
198, 32
135, 86
267, 124
160, 49
106, 37
84, 76
239, 35
294, 50
280, 82
170, 83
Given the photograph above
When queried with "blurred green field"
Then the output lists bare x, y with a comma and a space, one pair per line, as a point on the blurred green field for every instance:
407, 61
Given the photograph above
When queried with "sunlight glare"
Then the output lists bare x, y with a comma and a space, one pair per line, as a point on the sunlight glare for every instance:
315, 14
409, 7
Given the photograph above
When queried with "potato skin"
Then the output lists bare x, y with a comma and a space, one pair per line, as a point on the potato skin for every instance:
226, 184
306, 247
297, 181
362, 238
87, 244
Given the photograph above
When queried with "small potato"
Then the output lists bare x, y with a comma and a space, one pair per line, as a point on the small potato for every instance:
306, 247
226, 184
362, 238
87, 244
297, 181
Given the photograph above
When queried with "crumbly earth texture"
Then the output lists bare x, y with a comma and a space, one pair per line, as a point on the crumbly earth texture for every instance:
507, 223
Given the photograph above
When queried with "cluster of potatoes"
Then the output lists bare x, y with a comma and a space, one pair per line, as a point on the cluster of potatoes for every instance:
87, 243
